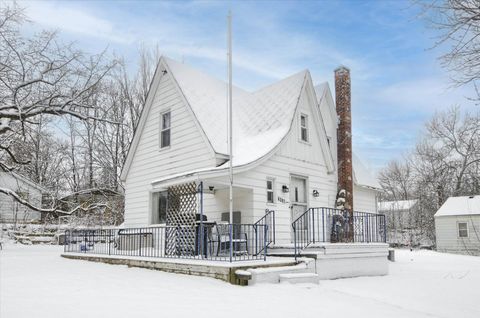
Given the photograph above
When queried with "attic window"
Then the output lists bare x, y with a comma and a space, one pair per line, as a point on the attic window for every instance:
165, 130
304, 127
462, 229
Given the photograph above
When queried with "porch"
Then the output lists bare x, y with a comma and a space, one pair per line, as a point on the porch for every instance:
197, 238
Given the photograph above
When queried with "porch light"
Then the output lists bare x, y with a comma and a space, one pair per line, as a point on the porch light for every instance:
316, 193
285, 189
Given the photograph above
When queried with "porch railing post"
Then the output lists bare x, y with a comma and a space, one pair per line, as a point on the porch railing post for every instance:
323, 224
368, 234
265, 230
273, 229
200, 245
295, 241
230, 226
256, 238
313, 225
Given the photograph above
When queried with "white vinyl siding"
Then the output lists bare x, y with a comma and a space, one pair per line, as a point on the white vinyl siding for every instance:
448, 230
10, 209
189, 151
364, 199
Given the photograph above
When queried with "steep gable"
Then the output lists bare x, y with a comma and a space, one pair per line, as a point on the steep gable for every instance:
316, 150
164, 94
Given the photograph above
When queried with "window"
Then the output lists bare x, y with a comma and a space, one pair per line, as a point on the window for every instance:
165, 130
270, 191
304, 127
159, 207
462, 229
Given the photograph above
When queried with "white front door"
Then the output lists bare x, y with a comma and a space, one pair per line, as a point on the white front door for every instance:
298, 198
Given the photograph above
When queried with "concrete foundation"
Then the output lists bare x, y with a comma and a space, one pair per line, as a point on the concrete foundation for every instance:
220, 270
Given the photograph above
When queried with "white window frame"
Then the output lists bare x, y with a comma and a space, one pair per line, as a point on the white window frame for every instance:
458, 229
272, 190
307, 134
163, 129
156, 205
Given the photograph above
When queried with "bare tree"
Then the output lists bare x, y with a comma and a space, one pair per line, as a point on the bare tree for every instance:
444, 163
458, 139
396, 179
458, 22
40, 76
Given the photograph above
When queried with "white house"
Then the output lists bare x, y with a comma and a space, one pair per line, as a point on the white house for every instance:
457, 225
400, 220
284, 149
10, 209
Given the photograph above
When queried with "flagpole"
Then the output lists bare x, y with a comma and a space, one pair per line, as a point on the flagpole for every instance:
230, 139
230, 130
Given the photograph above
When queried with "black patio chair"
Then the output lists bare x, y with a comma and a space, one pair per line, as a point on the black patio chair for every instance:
220, 235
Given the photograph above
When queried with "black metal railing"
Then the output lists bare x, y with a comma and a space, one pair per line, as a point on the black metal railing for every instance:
207, 241
268, 220
318, 225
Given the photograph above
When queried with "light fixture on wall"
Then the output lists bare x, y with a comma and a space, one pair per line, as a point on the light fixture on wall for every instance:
285, 189
316, 193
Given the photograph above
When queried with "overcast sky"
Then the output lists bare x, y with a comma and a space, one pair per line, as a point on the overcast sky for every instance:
396, 78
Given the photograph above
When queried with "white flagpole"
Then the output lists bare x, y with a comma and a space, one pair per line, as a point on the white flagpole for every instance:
230, 139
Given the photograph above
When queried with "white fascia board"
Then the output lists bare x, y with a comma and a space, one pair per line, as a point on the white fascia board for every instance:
143, 118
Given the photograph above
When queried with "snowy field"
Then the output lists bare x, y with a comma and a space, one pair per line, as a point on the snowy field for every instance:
36, 282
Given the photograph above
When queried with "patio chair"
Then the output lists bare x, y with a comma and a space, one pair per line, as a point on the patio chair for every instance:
221, 236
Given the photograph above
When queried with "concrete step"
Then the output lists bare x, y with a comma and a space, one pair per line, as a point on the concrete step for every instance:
272, 274
299, 278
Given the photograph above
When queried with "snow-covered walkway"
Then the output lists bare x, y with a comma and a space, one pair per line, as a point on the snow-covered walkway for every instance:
36, 282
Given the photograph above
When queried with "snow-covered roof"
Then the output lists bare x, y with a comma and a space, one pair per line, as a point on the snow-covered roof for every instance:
468, 205
399, 205
260, 119
362, 176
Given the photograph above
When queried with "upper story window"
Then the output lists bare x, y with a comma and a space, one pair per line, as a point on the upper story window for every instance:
165, 129
304, 127
462, 229
270, 191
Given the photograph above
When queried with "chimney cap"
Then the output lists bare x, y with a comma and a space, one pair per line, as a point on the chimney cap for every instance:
342, 69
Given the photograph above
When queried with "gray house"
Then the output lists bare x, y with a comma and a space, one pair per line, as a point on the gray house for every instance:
457, 225
10, 209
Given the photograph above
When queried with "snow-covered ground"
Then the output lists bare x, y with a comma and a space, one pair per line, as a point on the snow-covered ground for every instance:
36, 282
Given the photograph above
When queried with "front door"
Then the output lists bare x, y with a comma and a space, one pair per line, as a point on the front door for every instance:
298, 199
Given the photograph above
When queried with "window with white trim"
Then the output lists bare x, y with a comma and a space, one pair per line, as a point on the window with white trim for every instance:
165, 129
462, 229
304, 127
159, 207
270, 190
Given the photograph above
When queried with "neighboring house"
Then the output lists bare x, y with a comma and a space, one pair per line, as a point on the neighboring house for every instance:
284, 149
400, 220
10, 209
457, 225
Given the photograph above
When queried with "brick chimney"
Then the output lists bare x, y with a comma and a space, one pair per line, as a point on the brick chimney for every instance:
344, 139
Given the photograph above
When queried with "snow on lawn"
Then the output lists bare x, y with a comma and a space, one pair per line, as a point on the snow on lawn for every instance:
36, 282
